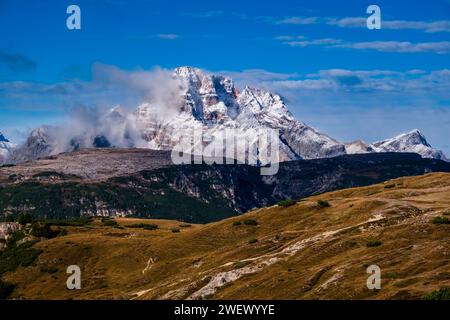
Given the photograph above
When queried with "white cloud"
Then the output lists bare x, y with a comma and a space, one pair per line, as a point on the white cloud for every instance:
168, 36
344, 80
430, 27
439, 47
289, 38
299, 20
442, 47
360, 22
316, 42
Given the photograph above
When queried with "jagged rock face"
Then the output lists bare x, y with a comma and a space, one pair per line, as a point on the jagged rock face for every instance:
40, 143
209, 98
212, 103
6, 148
413, 141
8, 228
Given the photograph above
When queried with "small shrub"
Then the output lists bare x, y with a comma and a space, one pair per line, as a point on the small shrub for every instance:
6, 289
252, 241
286, 203
237, 223
22, 255
389, 186
74, 222
8, 218
48, 174
323, 204
185, 225
441, 294
373, 243
8, 165
109, 223
24, 218
251, 222
240, 264
14, 237
145, 226
175, 230
43, 230
49, 270
392, 275
446, 213
441, 220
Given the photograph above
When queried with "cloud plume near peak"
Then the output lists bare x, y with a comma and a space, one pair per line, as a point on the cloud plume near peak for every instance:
157, 86
103, 107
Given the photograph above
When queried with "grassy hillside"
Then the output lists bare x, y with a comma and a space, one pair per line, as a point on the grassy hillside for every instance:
306, 250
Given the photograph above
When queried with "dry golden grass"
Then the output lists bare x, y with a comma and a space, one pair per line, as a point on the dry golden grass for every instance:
303, 251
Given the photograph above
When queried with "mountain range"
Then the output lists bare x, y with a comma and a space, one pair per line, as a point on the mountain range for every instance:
211, 103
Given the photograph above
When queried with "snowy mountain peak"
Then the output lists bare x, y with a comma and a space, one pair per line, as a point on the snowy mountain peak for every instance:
413, 141
259, 100
209, 98
214, 103
413, 137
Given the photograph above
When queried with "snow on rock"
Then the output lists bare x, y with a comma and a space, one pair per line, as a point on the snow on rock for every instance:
212, 103
413, 141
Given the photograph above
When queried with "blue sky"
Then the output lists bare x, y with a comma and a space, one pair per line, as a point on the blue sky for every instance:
335, 74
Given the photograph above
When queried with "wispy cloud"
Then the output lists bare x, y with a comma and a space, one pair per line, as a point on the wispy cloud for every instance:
289, 38
427, 26
439, 47
168, 36
360, 22
315, 42
344, 80
300, 20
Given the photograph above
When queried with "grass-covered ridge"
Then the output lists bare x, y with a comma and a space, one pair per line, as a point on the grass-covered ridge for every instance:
296, 252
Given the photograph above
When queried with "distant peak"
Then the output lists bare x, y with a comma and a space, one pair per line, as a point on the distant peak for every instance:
3, 138
413, 132
186, 69
414, 136
188, 72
